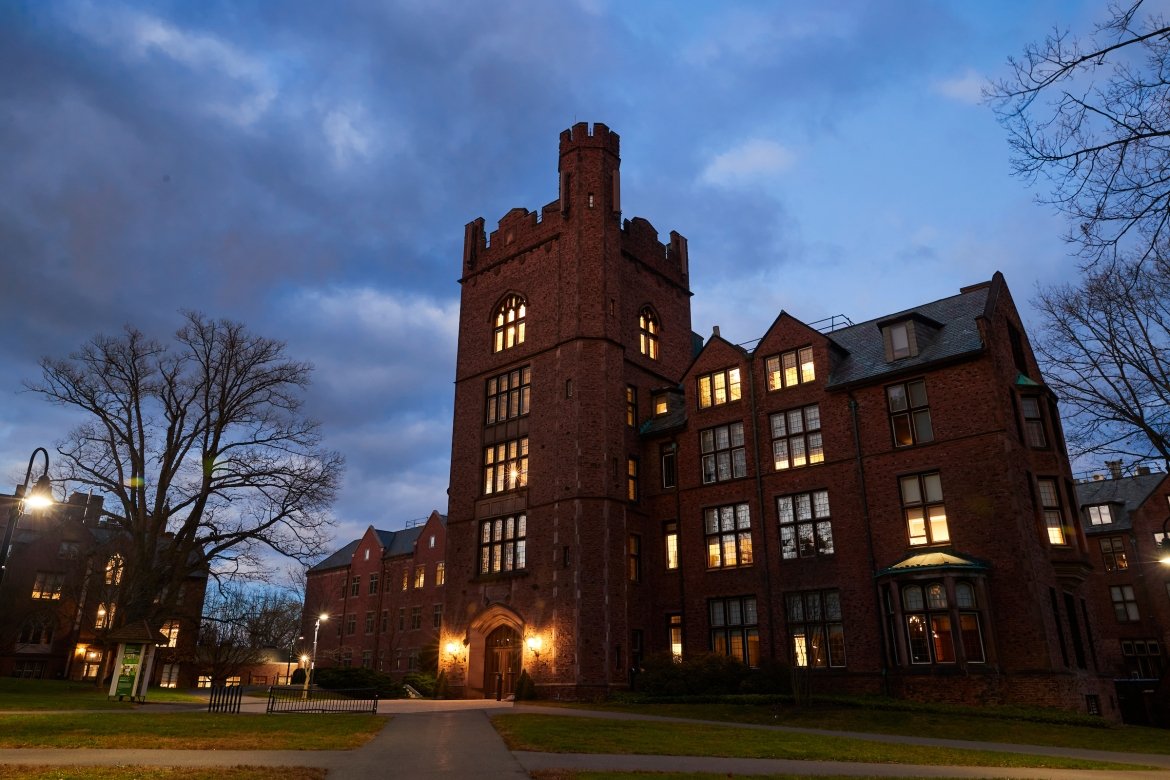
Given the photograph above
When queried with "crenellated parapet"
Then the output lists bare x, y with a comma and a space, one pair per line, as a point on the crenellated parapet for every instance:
640, 242
581, 136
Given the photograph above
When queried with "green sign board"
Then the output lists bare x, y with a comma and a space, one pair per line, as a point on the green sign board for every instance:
131, 657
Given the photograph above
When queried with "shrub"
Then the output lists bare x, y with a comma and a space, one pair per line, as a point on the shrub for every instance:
298, 677
339, 678
709, 675
525, 688
422, 682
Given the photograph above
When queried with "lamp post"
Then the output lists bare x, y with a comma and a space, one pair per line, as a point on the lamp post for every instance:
313, 658
39, 496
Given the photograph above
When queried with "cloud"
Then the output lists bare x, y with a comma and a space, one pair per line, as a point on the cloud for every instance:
966, 88
754, 160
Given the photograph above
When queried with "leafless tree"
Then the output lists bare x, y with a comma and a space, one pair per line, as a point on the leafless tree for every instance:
239, 624
1092, 116
203, 448
1105, 346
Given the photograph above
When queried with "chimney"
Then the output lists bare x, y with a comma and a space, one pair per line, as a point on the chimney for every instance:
714, 330
1114, 467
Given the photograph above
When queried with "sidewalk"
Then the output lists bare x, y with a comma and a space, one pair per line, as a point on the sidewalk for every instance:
427, 739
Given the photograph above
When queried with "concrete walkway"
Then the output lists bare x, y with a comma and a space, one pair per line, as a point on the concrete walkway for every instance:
427, 739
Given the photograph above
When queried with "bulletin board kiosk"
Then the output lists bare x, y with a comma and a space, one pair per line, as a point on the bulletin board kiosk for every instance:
134, 660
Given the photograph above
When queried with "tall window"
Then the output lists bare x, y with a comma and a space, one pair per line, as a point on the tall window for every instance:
370, 622
631, 406
632, 479
789, 369
508, 395
729, 536
669, 478
1053, 516
718, 388
505, 466
805, 528
350, 625
1033, 422
36, 631
420, 575
373, 584
1113, 553
355, 585
437, 616
440, 573
674, 627
48, 586
634, 558
670, 535
104, 618
909, 413
501, 544
648, 333
898, 341
735, 630
723, 453
415, 618
796, 438
1124, 604
930, 631
114, 569
1143, 658
509, 328
922, 505
170, 630
1100, 514
815, 630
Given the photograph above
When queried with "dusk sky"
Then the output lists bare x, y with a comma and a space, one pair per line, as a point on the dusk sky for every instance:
307, 168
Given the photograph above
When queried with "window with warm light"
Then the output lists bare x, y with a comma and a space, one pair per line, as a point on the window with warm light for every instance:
729, 536
509, 324
104, 618
648, 333
632, 479
505, 466
631, 406
816, 633
796, 438
718, 388
790, 369
114, 569
1113, 554
922, 505
1053, 514
440, 573
48, 585
671, 539
420, 575
502, 543
508, 395
931, 619
170, 630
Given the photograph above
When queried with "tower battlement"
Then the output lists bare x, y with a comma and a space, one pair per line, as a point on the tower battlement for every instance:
581, 135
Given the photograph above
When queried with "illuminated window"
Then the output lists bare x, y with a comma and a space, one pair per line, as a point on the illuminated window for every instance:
420, 575
718, 388
729, 536
909, 413
1033, 422
405, 577
631, 406
502, 544
735, 629
505, 466
789, 369
922, 505
170, 630
661, 404
114, 569
805, 528
1113, 553
508, 395
648, 333
632, 479
92, 665
674, 627
1053, 516
930, 621
671, 538
440, 573
48, 585
104, 618
815, 631
796, 438
509, 327
723, 453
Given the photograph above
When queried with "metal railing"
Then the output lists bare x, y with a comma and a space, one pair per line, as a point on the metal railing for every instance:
294, 698
225, 698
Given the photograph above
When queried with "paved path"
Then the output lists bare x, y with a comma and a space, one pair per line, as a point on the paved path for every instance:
428, 739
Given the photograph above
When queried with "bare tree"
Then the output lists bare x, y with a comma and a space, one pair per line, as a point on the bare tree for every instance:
1105, 345
203, 448
240, 624
1092, 116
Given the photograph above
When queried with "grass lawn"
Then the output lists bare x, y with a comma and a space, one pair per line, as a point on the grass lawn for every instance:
68, 695
166, 773
188, 731
567, 734
949, 725
568, 774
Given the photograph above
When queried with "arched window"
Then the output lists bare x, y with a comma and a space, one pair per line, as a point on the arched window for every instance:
114, 570
648, 333
509, 326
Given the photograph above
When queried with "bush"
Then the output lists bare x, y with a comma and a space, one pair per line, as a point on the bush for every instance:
709, 675
298, 677
525, 688
422, 682
338, 678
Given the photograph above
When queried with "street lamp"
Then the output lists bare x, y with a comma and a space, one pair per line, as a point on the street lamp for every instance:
313, 658
39, 496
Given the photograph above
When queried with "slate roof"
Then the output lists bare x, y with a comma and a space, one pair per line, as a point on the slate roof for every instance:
340, 558
934, 560
864, 354
393, 543
1126, 494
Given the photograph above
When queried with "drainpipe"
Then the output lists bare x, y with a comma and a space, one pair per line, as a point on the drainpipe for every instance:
879, 611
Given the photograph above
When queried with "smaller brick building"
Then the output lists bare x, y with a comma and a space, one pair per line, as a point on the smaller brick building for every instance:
383, 594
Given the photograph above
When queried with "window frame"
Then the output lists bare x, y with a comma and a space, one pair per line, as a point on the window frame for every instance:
670, 545
1124, 601
1116, 558
728, 622
924, 504
509, 328
505, 466
815, 628
816, 528
727, 381
511, 392
790, 369
712, 457
1052, 510
1034, 428
905, 421
649, 332
508, 546
727, 533
780, 428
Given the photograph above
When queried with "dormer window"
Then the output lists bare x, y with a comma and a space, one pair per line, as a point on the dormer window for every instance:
660, 404
1099, 514
897, 338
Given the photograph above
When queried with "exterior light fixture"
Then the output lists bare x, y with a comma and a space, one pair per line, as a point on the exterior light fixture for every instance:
313, 658
38, 496
534, 644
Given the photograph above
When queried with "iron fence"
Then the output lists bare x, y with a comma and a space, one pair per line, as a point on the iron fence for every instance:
294, 698
225, 698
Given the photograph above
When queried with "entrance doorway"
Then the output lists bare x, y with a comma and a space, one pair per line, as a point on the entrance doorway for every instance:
501, 663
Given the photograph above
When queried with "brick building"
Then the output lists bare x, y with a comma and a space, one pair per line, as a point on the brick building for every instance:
60, 593
383, 595
1123, 518
888, 504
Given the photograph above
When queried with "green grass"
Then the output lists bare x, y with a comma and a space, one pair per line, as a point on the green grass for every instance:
12, 772
68, 695
188, 731
1020, 728
567, 734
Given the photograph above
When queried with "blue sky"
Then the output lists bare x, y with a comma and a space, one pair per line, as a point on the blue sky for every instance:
308, 168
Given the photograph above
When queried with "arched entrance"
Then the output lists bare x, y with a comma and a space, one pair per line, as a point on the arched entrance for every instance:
501, 662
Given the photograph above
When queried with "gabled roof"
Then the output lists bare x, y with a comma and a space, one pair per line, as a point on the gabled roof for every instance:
1127, 494
402, 542
340, 558
393, 543
864, 353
